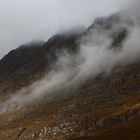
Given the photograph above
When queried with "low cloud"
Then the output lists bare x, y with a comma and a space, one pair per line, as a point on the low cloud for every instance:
96, 55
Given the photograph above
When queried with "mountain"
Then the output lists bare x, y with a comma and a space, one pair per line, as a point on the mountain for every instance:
103, 107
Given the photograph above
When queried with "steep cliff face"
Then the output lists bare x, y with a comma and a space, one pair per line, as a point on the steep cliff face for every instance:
103, 107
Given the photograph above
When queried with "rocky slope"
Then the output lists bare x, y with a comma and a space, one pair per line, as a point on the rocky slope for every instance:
105, 108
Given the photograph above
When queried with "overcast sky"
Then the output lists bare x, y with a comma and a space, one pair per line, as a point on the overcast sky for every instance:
22, 21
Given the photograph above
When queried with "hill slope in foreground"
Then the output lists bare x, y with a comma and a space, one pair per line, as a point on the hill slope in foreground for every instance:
102, 108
